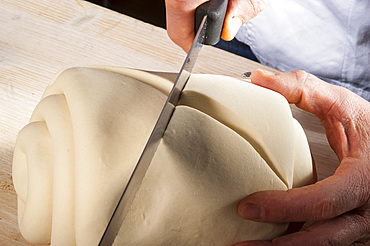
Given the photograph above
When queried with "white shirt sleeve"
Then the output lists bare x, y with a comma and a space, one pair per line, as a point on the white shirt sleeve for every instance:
328, 38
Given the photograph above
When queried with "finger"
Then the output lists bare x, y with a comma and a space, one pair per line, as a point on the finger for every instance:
344, 230
329, 198
305, 90
238, 13
344, 115
180, 21
301, 88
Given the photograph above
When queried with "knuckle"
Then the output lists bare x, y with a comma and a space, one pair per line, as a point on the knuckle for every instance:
257, 5
301, 76
328, 210
359, 184
248, 9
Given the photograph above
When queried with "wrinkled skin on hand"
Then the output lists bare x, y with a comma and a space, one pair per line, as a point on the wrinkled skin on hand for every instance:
180, 18
338, 207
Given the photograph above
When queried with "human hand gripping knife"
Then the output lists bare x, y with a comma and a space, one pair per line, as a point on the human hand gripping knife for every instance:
209, 19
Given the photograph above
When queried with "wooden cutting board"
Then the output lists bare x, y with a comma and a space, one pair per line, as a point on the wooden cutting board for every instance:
39, 38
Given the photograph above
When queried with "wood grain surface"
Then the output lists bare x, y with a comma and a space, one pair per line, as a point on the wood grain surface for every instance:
39, 38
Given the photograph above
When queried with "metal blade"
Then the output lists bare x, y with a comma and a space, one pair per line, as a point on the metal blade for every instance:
146, 157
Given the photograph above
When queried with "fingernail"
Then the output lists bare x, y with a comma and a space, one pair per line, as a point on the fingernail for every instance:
251, 211
268, 72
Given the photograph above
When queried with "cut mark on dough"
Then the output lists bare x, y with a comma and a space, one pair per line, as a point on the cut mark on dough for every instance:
230, 119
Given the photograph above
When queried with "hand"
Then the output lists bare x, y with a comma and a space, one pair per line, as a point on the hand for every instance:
180, 18
339, 205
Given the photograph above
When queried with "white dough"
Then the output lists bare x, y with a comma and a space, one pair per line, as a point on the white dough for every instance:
198, 176
226, 140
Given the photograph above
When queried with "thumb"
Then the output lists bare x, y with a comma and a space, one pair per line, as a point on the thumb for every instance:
238, 13
329, 198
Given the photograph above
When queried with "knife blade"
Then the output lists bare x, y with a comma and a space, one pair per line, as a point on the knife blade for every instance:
209, 19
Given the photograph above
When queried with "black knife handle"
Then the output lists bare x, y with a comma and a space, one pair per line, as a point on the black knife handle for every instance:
215, 11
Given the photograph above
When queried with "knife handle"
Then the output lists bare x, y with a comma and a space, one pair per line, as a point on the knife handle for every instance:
215, 10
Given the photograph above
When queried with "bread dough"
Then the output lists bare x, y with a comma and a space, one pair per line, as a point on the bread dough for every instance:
227, 139
196, 195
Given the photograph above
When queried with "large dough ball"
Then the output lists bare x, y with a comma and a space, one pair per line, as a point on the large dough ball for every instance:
226, 140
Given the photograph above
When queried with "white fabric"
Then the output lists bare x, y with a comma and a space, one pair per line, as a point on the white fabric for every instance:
328, 38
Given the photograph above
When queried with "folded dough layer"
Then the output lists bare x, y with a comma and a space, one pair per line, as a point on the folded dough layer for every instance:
261, 116
227, 140
190, 193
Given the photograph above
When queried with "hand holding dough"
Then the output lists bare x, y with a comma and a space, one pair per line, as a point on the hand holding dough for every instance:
227, 139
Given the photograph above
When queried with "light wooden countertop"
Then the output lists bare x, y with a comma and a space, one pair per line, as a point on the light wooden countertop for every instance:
39, 38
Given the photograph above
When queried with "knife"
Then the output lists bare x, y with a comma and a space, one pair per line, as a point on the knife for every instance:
209, 19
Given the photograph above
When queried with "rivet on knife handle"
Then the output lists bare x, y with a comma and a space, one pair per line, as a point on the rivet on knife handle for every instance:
215, 10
